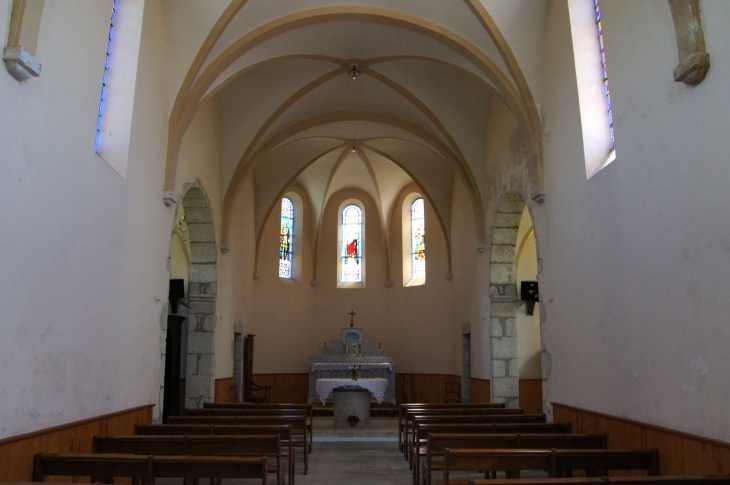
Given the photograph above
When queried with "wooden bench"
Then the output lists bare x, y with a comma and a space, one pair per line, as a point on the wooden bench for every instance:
403, 409
284, 431
470, 418
147, 468
423, 429
250, 445
298, 423
254, 409
411, 412
438, 442
663, 480
555, 462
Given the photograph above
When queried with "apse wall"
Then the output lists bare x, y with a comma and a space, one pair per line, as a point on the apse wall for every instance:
82, 291
293, 320
636, 259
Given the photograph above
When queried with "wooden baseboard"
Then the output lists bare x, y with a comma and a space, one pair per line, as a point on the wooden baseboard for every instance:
16, 452
679, 453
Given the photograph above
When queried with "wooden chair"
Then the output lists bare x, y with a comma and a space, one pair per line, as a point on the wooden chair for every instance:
259, 394
453, 392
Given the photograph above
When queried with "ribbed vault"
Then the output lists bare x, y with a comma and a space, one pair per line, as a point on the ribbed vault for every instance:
418, 113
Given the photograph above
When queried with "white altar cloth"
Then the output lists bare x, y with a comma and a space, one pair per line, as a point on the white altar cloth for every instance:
377, 386
346, 366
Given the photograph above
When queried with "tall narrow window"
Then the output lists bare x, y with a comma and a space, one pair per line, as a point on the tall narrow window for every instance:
591, 75
351, 267
599, 25
418, 244
104, 78
286, 238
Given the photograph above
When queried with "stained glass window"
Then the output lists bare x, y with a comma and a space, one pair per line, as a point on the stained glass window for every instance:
599, 25
102, 97
351, 268
418, 240
286, 238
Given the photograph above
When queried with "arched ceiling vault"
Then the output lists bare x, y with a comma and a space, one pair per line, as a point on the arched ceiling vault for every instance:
290, 113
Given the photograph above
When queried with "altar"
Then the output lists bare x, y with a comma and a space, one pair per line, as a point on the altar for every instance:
351, 370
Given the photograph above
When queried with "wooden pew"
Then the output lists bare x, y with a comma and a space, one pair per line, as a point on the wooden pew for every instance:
148, 468
254, 409
298, 423
284, 431
403, 408
251, 445
421, 430
409, 414
470, 418
662, 480
438, 442
555, 462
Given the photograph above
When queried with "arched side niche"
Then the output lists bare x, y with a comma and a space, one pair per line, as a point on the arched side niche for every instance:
504, 386
199, 382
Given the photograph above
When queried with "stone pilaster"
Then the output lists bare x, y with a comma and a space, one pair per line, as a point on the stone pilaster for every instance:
199, 382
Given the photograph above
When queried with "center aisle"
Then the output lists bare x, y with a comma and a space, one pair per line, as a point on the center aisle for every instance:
356, 463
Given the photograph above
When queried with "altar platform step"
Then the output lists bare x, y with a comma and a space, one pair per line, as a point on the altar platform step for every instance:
382, 410
379, 429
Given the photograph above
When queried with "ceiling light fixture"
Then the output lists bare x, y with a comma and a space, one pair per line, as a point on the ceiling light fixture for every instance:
353, 72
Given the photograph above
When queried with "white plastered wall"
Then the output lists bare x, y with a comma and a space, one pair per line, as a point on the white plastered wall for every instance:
636, 259
81, 294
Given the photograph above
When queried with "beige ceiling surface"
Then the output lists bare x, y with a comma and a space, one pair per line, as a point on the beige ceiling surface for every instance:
431, 70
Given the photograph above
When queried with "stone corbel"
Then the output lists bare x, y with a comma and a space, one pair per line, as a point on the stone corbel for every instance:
20, 63
694, 61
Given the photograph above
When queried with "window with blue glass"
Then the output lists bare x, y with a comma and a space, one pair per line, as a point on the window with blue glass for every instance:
104, 78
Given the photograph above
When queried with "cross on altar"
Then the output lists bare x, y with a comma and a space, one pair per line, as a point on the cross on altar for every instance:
352, 317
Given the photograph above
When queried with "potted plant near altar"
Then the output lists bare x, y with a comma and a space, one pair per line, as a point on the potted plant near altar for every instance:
353, 420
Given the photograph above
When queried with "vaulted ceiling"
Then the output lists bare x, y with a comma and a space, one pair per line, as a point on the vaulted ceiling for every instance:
291, 113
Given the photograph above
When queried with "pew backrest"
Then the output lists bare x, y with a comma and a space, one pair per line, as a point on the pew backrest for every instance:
147, 467
553, 461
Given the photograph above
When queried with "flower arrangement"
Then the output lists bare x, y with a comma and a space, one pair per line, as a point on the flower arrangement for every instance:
353, 420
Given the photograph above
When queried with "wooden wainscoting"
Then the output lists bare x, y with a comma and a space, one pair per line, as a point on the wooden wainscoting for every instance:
480, 391
531, 395
429, 388
223, 391
679, 453
16, 452
285, 388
